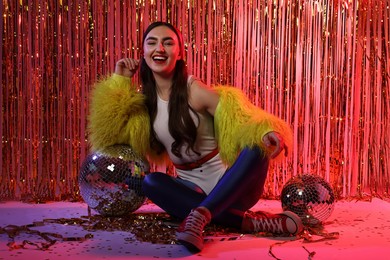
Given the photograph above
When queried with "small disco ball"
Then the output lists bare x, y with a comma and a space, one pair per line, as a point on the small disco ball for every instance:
310, 197
110, 181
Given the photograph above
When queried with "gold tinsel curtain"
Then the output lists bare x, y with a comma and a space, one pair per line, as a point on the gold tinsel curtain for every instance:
321, 65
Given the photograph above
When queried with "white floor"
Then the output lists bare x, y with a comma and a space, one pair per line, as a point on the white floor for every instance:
363, 227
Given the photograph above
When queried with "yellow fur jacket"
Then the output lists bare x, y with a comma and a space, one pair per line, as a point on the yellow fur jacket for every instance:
118, 115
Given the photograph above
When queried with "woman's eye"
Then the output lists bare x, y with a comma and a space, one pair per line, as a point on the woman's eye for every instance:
168, 43
151, 43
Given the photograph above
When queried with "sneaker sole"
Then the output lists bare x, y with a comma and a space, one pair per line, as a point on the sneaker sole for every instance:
189, 242
296, 219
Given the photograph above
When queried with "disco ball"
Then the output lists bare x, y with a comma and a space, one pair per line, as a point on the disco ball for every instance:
310, 197
110, 181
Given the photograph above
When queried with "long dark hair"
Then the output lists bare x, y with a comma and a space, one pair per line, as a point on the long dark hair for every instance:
180, 124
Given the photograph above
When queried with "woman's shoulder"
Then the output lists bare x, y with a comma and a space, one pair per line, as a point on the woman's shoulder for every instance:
202, 96
198, 87
191, 79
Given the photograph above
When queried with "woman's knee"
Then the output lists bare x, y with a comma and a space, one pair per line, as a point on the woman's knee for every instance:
152, 181
255, 154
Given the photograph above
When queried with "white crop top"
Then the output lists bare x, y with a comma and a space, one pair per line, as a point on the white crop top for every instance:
206, 176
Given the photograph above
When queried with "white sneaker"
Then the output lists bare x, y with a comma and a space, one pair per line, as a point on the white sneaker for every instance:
190, 232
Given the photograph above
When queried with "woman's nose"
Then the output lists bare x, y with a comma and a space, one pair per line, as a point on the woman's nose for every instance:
160, 47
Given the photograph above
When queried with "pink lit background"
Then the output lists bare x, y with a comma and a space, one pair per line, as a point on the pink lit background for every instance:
323, 66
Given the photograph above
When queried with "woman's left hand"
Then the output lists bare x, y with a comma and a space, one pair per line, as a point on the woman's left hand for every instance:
275, 142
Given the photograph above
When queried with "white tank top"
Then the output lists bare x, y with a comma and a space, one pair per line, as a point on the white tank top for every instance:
206, 176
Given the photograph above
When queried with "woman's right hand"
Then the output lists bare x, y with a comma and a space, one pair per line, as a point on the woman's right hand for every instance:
126, 67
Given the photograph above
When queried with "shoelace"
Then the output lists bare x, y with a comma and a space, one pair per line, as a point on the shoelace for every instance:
269, 224
195, 222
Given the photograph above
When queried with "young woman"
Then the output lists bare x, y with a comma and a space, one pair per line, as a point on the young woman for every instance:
219, 143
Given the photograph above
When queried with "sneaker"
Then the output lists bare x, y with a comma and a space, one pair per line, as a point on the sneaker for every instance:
286, 223
190, 232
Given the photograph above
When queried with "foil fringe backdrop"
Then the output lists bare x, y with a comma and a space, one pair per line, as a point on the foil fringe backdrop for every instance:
321, 65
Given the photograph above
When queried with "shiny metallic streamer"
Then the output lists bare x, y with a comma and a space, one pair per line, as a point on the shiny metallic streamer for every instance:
322, 65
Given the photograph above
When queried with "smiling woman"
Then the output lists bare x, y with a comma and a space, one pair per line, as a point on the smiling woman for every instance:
219, 143
162, 51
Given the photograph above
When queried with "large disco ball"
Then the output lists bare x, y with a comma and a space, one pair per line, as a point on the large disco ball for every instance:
310, 197
110, 181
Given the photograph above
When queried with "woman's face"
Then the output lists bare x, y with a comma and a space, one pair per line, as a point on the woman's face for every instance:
162, 50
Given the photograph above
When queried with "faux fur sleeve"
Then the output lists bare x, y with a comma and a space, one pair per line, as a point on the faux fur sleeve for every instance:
118, 115
239, 124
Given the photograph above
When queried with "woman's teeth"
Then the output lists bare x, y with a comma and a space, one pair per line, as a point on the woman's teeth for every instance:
159, 58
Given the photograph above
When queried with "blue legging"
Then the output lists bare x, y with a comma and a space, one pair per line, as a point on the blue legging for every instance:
238, 190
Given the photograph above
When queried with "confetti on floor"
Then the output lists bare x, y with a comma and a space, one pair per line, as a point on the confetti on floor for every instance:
63, 230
